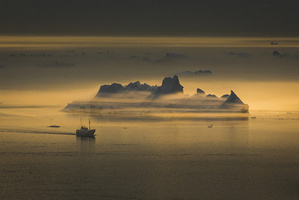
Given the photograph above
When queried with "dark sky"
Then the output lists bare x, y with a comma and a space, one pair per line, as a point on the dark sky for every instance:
147, 18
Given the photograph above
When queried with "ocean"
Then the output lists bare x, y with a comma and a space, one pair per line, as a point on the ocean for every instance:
147, 158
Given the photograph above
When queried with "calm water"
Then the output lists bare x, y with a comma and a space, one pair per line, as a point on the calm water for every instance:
148, 158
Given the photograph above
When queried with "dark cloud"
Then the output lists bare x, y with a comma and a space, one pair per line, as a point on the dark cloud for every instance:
132, 17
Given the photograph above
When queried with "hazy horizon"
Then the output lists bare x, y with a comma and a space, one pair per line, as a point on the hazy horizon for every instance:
73, 68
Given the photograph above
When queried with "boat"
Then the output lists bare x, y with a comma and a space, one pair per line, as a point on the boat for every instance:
85, 132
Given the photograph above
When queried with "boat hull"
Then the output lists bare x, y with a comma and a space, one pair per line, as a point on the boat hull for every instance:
89, 133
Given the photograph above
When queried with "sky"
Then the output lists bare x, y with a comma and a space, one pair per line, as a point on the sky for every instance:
67, 49
265, 18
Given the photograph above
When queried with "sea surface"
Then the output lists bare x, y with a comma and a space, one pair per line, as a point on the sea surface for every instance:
147, 157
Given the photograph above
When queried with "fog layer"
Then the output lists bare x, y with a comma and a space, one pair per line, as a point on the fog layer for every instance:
58, 70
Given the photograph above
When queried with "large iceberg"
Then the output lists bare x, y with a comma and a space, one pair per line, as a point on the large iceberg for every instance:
169, 97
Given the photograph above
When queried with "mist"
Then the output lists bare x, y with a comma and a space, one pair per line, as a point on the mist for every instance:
59, 70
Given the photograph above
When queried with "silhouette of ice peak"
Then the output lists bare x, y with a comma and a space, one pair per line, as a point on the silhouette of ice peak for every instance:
233, 98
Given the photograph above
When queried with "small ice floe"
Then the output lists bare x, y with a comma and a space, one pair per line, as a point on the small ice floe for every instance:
210, 126
54, 126
274, 43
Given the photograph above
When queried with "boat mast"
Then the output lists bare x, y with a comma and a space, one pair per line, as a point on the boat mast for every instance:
89, 123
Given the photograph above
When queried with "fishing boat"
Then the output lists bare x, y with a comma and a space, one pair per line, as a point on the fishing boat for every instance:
85, 132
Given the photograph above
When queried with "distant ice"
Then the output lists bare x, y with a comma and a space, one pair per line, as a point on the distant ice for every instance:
54, 126
240, 54
175, 55
57, 64
195, 73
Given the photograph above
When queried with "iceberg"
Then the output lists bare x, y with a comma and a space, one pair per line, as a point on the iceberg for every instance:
144, 98
169, 86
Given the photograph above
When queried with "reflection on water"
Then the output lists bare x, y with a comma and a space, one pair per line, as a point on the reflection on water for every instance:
86, 144
148, 159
